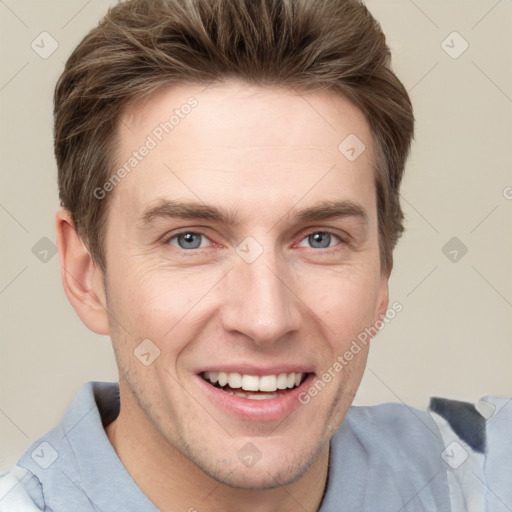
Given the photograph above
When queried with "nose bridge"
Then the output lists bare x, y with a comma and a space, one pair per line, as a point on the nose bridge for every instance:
260, 304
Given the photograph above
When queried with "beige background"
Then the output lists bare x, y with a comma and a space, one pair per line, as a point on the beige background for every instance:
453, 337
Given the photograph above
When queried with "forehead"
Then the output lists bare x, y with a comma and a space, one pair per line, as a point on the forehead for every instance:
242, 145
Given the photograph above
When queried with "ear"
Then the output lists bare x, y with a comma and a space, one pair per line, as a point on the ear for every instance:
81, 276
382, 298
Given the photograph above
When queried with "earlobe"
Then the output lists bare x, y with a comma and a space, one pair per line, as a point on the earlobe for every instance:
81, 276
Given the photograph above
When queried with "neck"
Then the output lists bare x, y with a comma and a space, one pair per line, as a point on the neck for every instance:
172, 482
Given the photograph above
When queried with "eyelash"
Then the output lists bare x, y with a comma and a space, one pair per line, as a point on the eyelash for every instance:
342, 241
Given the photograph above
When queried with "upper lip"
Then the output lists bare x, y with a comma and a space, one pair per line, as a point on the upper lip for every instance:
259, 371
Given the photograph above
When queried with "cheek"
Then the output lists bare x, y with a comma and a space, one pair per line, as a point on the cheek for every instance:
154, 302
344, 300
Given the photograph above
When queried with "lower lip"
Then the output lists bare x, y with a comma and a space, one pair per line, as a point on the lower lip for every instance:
270, 409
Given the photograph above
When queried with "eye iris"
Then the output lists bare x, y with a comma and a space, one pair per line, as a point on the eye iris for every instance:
189, 241
320, 240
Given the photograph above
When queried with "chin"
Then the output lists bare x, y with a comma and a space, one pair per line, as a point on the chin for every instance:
278, 469
260, 479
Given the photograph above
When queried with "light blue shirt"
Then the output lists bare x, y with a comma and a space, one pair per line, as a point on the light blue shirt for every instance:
453, 458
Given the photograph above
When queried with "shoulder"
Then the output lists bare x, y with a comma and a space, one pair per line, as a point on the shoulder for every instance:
20, 491
477, 441
397, 436
454, 456
46, 475
389, 457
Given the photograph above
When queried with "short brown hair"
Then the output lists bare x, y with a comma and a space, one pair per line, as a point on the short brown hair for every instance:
141, 45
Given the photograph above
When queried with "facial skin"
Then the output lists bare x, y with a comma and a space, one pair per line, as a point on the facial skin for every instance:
262, 156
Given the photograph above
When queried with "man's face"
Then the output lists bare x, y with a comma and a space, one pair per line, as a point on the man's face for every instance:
245, 243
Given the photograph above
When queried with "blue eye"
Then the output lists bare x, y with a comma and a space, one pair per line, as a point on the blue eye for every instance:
320, 240
188, 240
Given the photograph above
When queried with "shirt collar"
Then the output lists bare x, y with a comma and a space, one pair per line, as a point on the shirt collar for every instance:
76, 463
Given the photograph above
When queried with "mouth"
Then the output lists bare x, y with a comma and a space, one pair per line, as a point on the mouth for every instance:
254, 387
256, 398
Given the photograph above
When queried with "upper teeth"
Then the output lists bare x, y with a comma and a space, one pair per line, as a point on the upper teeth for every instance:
253, 382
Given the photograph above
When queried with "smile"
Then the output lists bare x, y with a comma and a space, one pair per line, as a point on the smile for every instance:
265, 387
252, 393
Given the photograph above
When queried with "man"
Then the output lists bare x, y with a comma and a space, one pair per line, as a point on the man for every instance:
229, 175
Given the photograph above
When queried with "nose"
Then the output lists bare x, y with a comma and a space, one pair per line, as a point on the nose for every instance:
260, 302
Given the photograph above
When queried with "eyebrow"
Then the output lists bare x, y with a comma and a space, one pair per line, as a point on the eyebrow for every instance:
331, 210
186, 210
195, 210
